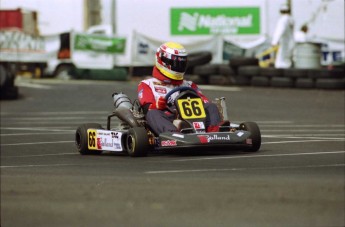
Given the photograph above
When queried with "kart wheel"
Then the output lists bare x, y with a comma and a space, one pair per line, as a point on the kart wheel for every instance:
81, 138
255, 136
137, 142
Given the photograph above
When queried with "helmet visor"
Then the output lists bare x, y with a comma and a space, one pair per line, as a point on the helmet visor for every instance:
176, 63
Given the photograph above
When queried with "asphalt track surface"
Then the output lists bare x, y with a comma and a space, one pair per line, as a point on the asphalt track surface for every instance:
296, 179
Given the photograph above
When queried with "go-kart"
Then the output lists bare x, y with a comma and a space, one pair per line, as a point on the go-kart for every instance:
134, 136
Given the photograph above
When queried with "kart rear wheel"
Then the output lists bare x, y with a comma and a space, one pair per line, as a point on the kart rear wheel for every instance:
255, 136
137, 142
81, 138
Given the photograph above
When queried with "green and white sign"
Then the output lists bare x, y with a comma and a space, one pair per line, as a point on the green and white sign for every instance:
103, 44
208, 21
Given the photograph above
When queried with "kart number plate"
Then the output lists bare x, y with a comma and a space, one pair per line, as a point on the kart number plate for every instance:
191, 108
104, 140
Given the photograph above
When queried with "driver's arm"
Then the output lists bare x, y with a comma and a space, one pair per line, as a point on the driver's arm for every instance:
146, 97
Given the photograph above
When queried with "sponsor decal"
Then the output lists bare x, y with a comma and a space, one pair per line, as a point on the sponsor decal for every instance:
115, 135
140, 94
178, 135
210, 138
104, 142
203, 139
168, 143
198, 125
249, 141
240, 134
161, 90
99, 143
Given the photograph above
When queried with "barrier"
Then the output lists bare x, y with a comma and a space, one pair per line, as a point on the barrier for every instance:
307, 56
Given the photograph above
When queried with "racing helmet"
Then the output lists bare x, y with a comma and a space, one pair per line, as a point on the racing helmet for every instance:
171, 60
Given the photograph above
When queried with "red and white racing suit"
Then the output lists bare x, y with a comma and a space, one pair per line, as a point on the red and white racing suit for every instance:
150, 90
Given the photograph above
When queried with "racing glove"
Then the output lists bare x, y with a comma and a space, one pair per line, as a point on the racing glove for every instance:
161, 104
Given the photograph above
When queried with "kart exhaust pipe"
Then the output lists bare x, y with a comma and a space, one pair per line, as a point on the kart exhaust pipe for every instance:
122, 100
127, 116
123, 106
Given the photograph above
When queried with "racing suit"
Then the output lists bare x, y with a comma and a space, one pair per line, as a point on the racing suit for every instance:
149, 91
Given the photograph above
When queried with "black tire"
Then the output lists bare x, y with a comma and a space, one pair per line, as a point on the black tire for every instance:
271, 72
296, 73
8, 90
254, 130
326, 73
3, 77
225, 70
137, 142
205, 70
196, 78
330, 83
11, 93
81, 138
249, 70
304, 83
242, 80
236, 62
282, 82
260, 81
219, 80
199, 58
241, 61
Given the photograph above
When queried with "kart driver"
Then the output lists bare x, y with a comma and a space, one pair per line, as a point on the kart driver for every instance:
170, 66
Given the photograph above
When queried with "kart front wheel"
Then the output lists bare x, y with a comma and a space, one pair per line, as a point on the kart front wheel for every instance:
81, 138
255, 135
137, 142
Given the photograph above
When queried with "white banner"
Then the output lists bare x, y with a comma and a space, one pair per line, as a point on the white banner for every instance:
16, 45
144, 49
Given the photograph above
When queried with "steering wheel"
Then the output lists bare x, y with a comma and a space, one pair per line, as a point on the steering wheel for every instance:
180, 89
176, 89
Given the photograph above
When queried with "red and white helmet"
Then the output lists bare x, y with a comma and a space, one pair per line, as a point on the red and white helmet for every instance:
171, 60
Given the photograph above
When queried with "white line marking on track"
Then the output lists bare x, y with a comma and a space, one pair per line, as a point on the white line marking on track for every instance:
54, 113
300, 137
302, 130
313, 135
30, 85
305, 141
38, 129
28, 166
39, 155
242, 169
36, 143
306, 126
259, 156
37, 133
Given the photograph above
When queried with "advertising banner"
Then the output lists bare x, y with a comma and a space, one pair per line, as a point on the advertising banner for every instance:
208, 21
16, 45
105, 44
144, 48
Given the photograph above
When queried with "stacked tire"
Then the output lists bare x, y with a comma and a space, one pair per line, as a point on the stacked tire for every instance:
245, 71
202, 72
323, 78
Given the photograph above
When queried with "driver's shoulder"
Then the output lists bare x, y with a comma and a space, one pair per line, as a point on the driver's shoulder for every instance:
151, 80
187, 83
